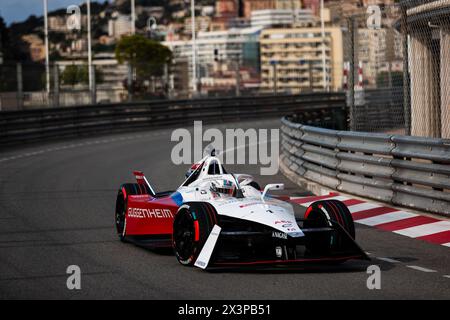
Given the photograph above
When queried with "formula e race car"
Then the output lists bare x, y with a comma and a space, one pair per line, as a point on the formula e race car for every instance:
219, 219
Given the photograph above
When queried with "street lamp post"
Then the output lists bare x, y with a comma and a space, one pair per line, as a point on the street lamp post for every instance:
130, 68
275, 76
351, 82
238, 76
324, 67
90, 69
1, 60
47, 58
133, 17
194, 49
1, 48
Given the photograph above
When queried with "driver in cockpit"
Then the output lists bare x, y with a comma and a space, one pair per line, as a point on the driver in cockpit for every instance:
223, 187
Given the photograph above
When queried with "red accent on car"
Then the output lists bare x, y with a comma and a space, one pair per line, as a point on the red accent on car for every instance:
151, 225
139, 177
196, 231
308, 211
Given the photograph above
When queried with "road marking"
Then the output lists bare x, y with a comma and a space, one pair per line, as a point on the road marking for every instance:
421, 269
73, 146
353, 202
437, 238
447, 276
407, 223
362, 207
389, 260
374, 212
425, 229
386, 218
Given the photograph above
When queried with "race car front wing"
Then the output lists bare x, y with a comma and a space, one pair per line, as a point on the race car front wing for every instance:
268, 248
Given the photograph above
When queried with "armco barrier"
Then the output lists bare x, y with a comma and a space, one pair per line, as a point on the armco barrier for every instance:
17, 127
408, 171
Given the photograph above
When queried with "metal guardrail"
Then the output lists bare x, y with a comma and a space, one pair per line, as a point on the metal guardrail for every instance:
18, 127
408, 171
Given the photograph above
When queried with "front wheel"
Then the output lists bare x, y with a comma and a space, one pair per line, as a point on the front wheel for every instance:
319, 215
191, 228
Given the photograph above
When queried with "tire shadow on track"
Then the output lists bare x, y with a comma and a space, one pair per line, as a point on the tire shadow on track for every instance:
347, 267
344, 268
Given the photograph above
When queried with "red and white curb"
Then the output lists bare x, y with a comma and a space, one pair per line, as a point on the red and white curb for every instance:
390, 219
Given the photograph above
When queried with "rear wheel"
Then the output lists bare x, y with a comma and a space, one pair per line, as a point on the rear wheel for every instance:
121, 206
319, 215
120, 216
191, 228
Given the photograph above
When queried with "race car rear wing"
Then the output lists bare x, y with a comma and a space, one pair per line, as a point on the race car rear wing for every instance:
142, 181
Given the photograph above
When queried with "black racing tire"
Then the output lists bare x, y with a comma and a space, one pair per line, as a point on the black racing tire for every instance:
347, 219
316, 218
124, 192
191, 228
255, 185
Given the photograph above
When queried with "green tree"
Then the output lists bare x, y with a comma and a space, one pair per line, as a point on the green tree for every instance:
146, 56
74, 74
70, 75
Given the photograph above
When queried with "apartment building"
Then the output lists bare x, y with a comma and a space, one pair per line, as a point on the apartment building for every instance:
253, 5
220, 52
292, 60
283, 18
377, 48
201, 24
272, 18
288, 4
119, 26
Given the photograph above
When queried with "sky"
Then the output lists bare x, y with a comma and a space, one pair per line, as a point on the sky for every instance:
19, 10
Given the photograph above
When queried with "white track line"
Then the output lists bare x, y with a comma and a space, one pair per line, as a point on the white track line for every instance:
363, 207
389, 260
421, 269
72, 146
425, 229
447, 244
386, 218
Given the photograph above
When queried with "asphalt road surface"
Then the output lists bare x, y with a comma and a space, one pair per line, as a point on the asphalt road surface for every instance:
57, 209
